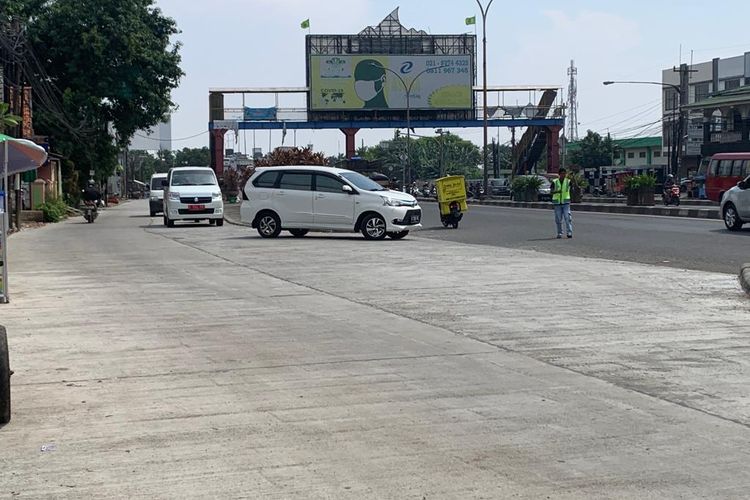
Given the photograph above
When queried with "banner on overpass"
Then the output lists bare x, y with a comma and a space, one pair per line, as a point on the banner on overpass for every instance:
378, 82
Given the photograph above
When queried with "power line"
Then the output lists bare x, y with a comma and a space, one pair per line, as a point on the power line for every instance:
623, 111
170, 140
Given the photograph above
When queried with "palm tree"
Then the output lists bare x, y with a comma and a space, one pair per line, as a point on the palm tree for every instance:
7, 120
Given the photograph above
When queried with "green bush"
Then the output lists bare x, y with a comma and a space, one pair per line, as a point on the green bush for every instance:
519, 183
54, 210
636, 182
533, 183
577, 179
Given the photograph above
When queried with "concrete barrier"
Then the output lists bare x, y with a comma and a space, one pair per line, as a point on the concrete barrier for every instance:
745, 278
616, 208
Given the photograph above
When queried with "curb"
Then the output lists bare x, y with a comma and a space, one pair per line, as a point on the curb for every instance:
744, 278
693, 213
234, 222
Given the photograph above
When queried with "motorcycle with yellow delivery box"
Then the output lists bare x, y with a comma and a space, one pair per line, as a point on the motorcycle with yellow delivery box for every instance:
451, 196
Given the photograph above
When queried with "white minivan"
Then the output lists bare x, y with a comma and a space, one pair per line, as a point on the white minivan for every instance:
312, 198
156, 197
192, 193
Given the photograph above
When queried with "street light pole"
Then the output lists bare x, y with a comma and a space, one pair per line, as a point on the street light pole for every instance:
675, 140
407, 88
484, 11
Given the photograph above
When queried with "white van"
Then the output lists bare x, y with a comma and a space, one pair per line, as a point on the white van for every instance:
311, 198
192, 193
156, 198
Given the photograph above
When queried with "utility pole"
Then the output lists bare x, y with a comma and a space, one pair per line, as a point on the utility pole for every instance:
681, 125
484, 11
441, 170
512, 152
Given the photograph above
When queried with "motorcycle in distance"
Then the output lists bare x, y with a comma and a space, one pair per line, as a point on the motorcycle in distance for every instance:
90, 198
90, 211
671, 196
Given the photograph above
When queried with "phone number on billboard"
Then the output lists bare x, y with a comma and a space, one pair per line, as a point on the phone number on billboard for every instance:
447, 62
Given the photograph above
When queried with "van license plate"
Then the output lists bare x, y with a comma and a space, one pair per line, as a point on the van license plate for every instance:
196, 207
415, 219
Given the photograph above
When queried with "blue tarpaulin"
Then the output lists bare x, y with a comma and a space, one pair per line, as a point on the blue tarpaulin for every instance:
260, 113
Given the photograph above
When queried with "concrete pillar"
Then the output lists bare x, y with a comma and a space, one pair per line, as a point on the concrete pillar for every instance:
707, 126
745, 124
217, 151
351, 143
553, 149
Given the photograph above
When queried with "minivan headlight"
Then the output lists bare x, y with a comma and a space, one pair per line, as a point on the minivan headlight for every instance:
216, 194
174, 196
392, 202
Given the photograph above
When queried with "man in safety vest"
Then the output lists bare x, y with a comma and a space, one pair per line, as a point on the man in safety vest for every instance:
561, 201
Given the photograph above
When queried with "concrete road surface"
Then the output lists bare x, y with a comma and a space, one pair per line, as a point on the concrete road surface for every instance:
205, 362
666, 241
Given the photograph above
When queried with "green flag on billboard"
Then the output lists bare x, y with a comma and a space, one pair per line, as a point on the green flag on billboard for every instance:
305, 24
471, 20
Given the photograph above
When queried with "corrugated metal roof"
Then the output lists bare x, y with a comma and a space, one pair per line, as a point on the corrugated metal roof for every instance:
740, 95
632, 143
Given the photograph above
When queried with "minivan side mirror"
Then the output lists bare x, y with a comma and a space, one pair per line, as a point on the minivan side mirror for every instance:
347, 189
164, 183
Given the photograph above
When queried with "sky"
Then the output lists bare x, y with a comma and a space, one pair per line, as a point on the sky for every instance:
259, 43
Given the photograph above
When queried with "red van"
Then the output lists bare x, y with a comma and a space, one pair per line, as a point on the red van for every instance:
724, 171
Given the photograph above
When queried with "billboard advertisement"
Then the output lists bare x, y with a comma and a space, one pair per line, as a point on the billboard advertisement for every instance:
374, 82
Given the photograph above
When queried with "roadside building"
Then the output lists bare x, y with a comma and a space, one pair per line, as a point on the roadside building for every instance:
714, 97
635, 155
639, 152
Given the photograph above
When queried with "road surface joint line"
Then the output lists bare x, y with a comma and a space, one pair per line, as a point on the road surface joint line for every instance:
264, 367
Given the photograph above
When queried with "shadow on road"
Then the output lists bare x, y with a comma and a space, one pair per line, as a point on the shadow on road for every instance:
742, 232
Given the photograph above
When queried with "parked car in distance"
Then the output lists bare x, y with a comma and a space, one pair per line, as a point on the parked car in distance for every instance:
735, 205
192, 193
545, 189
499, 187
300, 199
156, 198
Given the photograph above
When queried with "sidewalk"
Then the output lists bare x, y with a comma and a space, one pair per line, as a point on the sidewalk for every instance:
232, 214
204, 361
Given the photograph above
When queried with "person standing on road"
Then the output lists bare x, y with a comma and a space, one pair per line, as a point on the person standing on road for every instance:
561, 202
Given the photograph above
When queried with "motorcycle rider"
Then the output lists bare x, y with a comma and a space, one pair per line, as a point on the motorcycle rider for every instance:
92, 195
668, 184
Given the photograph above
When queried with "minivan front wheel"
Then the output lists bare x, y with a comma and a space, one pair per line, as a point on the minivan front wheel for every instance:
373, 227
269, 225
731, 218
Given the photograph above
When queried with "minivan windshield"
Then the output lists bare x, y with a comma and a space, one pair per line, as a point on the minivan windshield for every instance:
362, 182
156, 183
193, 178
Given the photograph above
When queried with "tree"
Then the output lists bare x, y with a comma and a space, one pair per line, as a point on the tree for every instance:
292, 156
457, 156
592, 151
99, 69
194, 157
7, 120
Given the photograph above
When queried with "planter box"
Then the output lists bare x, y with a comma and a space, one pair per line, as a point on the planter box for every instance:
531, 195
642, 197
646, 196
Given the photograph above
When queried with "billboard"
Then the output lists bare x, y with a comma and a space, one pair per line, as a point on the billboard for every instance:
370, 82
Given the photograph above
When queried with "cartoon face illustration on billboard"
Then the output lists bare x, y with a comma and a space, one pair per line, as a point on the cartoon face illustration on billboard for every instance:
369, 83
